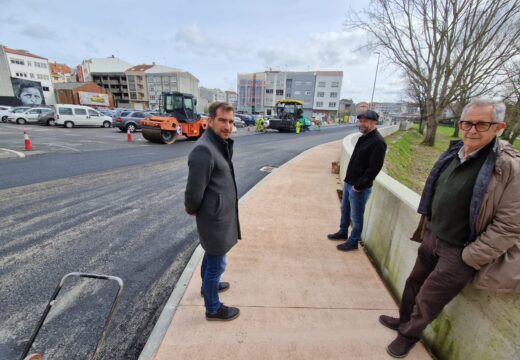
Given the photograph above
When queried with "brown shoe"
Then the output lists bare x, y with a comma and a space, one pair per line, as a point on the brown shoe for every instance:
390, 322
401, 346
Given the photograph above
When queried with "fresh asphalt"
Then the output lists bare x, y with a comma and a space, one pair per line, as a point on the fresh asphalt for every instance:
113, 211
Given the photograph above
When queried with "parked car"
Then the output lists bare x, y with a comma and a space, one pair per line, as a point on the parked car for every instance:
4, 109
106, 112
239, 123
48, 118
247, 119
16, 109
129, 120
79, 115
29, 115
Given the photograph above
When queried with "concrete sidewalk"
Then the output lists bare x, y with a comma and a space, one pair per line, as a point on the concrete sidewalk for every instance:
299, 297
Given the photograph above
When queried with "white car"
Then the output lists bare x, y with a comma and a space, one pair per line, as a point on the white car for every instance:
79, 115
30, 115
14, 110
4, 110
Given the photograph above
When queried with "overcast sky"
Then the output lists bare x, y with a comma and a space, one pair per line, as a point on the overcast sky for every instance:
214, 40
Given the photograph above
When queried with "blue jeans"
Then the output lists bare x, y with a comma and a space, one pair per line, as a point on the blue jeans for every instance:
352, 210
212, 268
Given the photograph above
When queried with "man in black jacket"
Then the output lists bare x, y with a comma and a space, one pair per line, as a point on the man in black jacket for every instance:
211, 195
364, 165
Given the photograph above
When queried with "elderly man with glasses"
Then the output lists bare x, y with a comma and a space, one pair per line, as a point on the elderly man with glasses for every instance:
470, 209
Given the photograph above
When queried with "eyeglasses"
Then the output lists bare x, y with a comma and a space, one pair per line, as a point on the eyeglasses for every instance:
480, 126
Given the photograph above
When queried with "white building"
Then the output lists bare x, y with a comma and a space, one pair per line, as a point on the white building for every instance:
24, 65
327, 93
160, 78
111, 65
274, 88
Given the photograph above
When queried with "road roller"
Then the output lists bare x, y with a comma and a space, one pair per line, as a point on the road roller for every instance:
177, 118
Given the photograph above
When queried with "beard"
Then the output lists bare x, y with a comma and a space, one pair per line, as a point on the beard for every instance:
364, 129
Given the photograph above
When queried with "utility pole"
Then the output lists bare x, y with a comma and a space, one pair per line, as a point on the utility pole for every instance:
254, 95
375, 78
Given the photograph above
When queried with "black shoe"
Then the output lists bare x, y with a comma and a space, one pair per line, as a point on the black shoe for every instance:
337, 236
222, 286
346, 246
390, 322
401, 346
225, 313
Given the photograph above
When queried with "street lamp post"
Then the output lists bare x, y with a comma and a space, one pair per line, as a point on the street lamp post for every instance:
375, 78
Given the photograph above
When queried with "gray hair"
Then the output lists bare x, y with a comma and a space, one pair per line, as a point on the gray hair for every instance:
499, 108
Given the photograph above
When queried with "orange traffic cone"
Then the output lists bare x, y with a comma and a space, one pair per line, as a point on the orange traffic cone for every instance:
128, 135
28, 145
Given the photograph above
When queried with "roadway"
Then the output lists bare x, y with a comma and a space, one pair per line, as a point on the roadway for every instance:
114, 209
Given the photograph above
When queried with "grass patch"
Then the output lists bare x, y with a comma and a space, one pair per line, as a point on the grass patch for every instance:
408, 161
517, 145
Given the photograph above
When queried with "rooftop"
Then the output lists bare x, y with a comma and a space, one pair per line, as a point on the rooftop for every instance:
22, 52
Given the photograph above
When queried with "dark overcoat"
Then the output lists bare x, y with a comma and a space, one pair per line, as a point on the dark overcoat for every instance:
211, 193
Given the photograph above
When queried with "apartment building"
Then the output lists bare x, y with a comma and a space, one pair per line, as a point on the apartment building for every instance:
60, 73
301, 86
138, 86
251, 92
26, 70
160, 78
327, 94
320, 91
109, 73
232, 98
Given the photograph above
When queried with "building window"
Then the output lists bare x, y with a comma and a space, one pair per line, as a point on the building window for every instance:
297, 92
308, 83
307, 93
288, 95
322, 84
335, 84
29, 63
332, 104
320, 94
152, 97
132, 87
268, 91
32, 75
45, 88
133, 95
279, 92
17, 61
333, 94
130, 78
319, 103
298, 82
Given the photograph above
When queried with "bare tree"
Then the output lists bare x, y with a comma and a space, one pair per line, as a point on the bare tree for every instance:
444, 46
512, 99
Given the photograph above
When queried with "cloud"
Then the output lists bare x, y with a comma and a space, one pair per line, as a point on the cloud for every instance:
318, 51
192, 38
38, 31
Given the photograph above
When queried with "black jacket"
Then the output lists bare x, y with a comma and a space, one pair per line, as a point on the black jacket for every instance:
211, 193
366, 160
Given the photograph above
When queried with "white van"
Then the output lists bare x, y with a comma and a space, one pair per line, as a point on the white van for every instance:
79, 115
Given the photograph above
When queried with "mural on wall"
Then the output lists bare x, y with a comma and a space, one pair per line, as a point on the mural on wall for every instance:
89, 98
30, 93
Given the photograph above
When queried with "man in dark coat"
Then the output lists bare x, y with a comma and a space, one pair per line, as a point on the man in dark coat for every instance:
364, 165
211, 195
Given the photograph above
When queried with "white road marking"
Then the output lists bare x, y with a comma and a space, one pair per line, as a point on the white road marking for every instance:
63, 146
22, 155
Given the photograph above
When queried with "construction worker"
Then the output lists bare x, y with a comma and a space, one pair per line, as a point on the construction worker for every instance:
259, 124
298, 127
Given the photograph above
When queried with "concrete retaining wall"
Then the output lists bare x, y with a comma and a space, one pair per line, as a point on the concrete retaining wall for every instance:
477, 324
